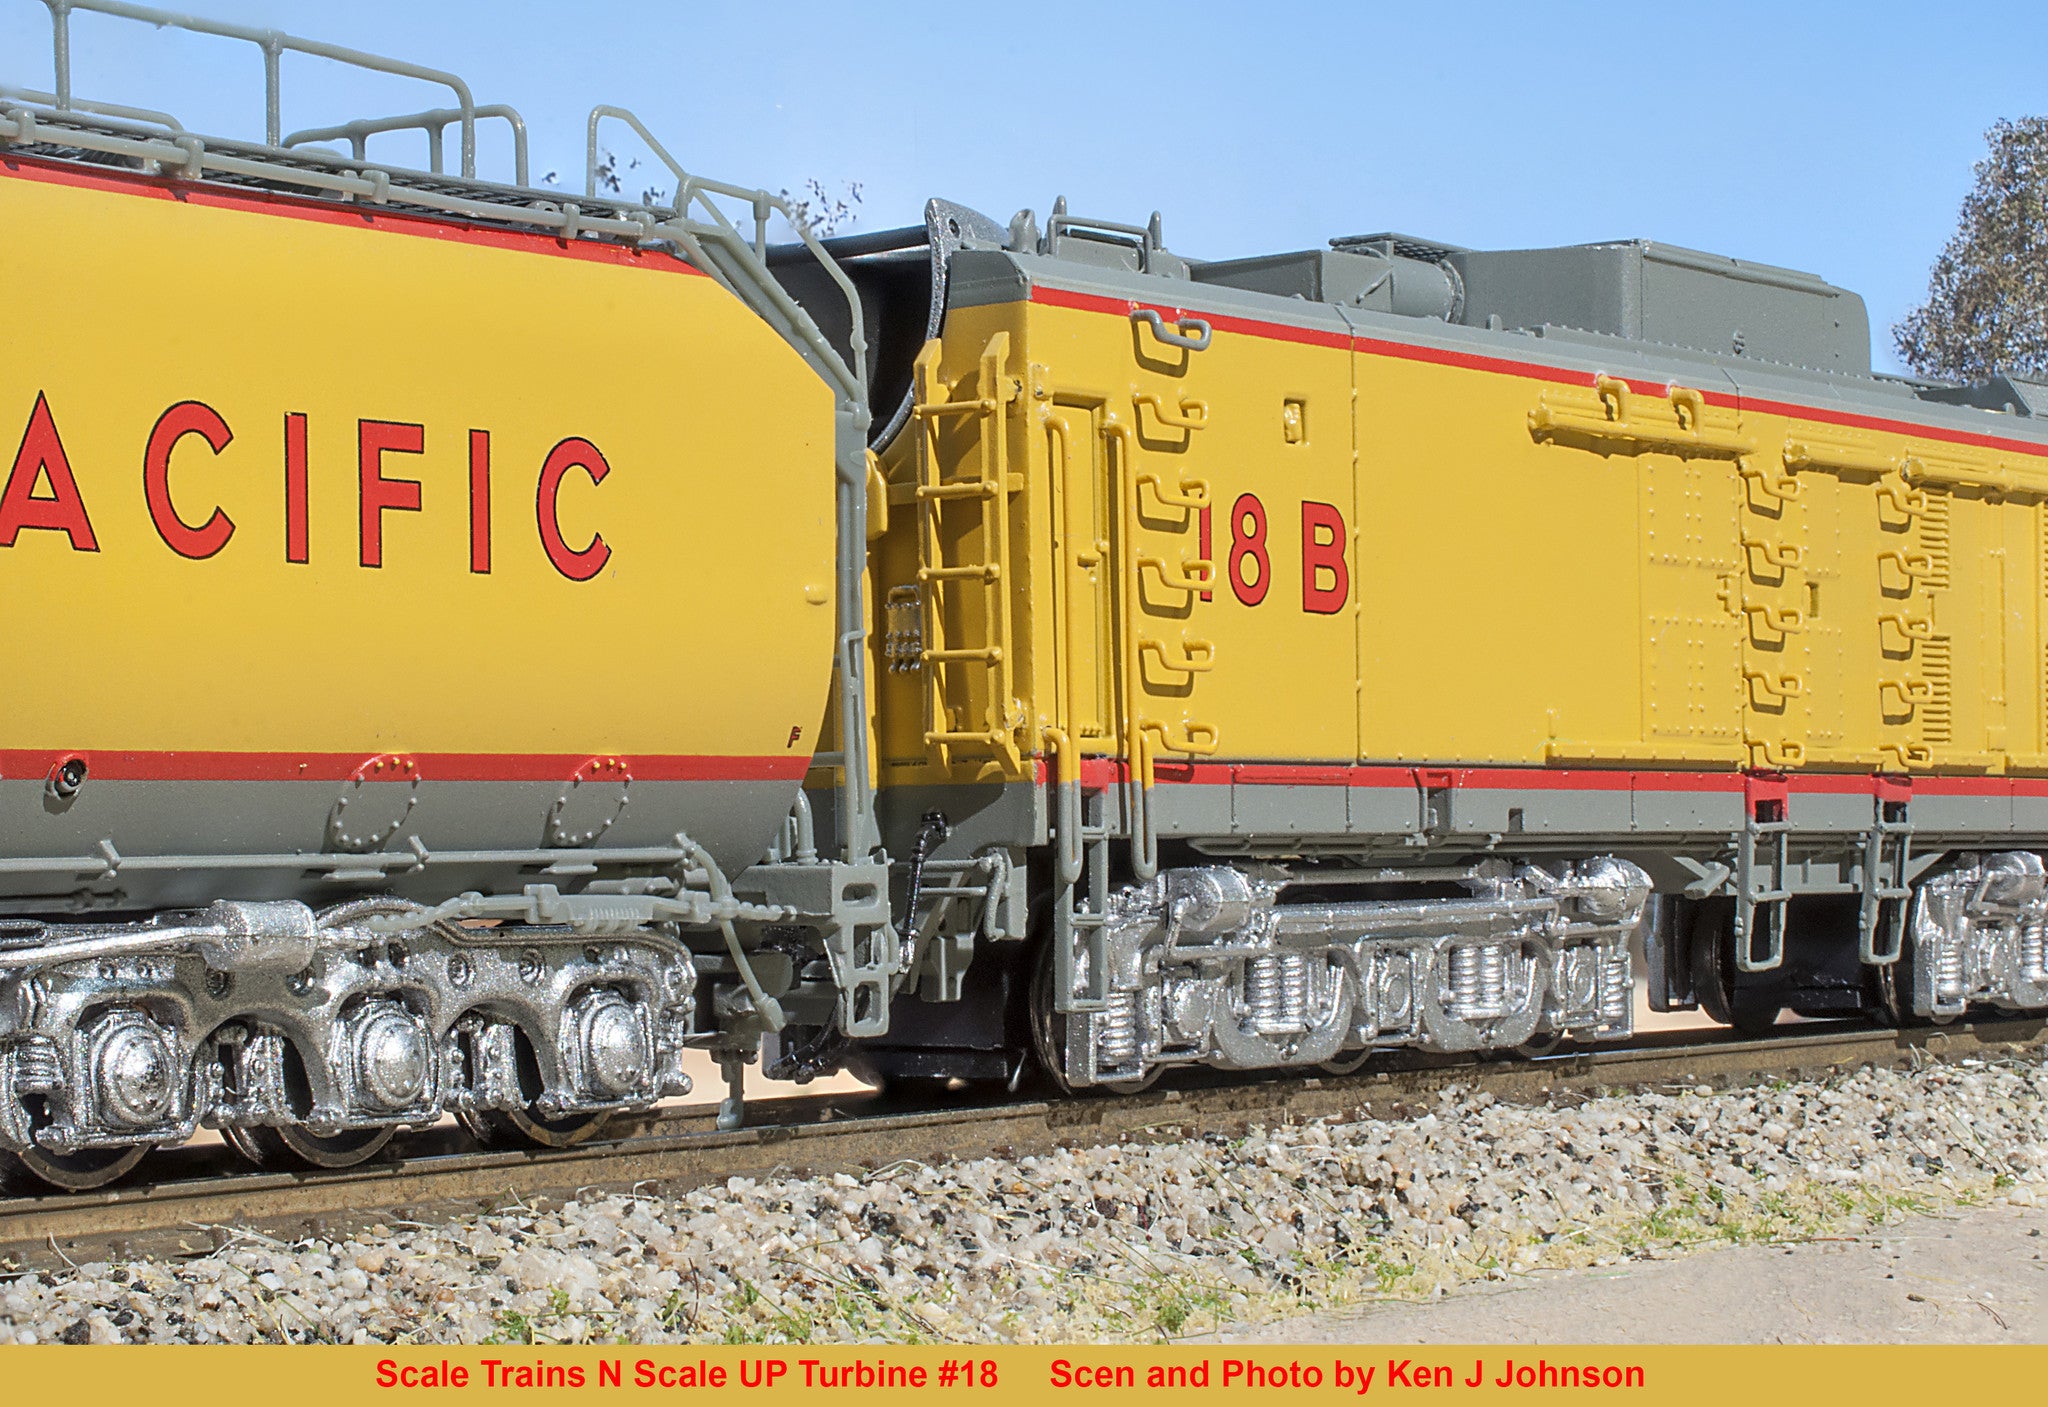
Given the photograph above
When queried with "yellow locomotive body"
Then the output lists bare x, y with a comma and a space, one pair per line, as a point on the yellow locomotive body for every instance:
1321, 545
472, 644
1183, 559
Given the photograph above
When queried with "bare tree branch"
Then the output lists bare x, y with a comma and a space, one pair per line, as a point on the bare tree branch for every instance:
821, 213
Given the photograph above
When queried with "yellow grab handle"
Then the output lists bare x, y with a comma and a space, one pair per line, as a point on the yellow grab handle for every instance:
1910, 564
1910, 755
1786, 620
1769, 484
1613, 388
1782, 686
1782, 555
1197, 738
1191, 414
1188, 493
1775, 757
1909, 627
1199, 656
1190, 576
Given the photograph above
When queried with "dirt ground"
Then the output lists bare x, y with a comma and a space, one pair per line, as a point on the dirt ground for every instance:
1976, 1276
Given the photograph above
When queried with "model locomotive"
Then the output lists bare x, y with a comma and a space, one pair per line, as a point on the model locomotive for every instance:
472, 644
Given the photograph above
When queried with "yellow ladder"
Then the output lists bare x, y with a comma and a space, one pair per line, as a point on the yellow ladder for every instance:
975, 583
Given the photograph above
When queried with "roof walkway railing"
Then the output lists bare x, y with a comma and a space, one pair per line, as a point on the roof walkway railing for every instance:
695, 224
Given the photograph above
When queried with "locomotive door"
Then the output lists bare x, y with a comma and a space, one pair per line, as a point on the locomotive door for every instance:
1124, 532
1085, 550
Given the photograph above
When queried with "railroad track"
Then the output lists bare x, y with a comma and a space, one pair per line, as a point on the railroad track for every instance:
198, 1200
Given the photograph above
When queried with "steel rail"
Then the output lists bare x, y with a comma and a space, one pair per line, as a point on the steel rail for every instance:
199, 1204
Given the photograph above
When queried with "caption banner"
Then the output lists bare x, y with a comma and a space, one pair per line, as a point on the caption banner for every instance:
990, 1375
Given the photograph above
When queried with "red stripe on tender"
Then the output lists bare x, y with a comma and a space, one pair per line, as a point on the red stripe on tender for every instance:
117, 764
1515, 779
1688, 781
1536, 371
1499, 366
1380, 777
1100, 772
1957, 786
1897, 427
1221, 322
334, 213
1833, 783
2032, 787
1280, 774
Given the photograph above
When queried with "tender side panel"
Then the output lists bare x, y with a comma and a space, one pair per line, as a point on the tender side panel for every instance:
1607, 570
1548, 571
1892, 590
299, 488
1501, 580
1690, 635
1182, 543
1238, 456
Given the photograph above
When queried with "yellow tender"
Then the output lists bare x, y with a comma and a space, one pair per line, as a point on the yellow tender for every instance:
1302, 544
307, 494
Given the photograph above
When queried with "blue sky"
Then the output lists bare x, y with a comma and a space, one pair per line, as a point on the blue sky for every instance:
1834, 138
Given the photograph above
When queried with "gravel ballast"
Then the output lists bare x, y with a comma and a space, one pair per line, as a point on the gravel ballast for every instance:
1141, 1241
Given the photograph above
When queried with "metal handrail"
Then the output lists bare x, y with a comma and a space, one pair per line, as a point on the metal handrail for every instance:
195, 158
753, 254
274, 44
433, 122
712, 245
697, 228
697, 224
147, 115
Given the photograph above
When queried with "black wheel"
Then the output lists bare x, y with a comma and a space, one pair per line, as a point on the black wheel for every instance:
1754, 1019
295, 1146
1348, 1064
914, 1089
39, 1170
1714, 978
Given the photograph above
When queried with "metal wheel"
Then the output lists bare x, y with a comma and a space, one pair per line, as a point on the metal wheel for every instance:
527, 1127
502, 1127
296, 1146
1048, 1027
1540, 1045
1893, 1008
1346, 1064
70, 1172
1888, 1010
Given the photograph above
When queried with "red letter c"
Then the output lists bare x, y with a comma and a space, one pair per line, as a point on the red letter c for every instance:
573, 563
184, 418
